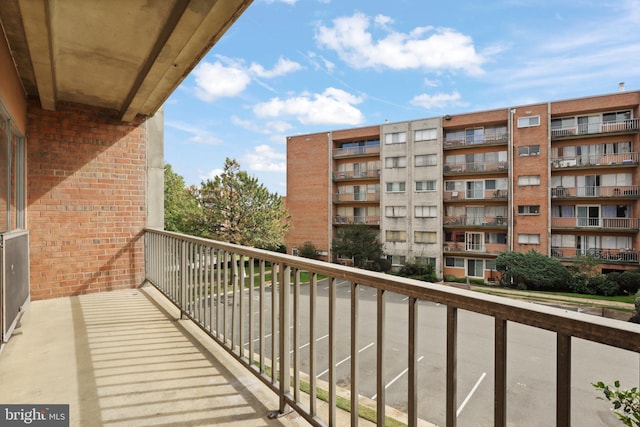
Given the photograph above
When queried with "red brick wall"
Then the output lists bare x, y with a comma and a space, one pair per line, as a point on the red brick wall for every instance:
85, 201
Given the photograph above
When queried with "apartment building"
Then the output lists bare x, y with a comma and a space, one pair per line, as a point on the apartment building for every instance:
560, 178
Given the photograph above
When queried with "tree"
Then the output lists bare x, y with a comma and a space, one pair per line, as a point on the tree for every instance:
181, 207
531, 270
359, 242
308, 250
238, 209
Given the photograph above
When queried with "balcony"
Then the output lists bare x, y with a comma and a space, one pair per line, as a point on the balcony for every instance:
353, 175
458, 142
589, 192
475, 167
590, 160
346, 220
342, 341
475, 221
582, 130
472, 195
356, 197
474, 248
605, 256
364, 151
609, 224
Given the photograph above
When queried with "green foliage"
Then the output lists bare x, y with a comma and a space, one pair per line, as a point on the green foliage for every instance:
636, 302
238, 209
308, 250
629, 282
531, 270
181, 208
419, 271
359, 242
626, 403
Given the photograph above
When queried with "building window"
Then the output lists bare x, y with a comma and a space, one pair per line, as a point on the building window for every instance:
529, 121
529, 180
563, 211
425, 236
426, 160
490, 264
425, 185
395, 138
395, 211
396, 187
529, 239
454, 262
425, 134
529, 150
529, 210
421, 260
395, 162
396, 259
426, 211
396, 236
618, 116
294, 251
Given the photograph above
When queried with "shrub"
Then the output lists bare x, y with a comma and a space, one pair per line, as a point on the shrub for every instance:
629, 282
626, 403
423, 272
531, 270
308, 250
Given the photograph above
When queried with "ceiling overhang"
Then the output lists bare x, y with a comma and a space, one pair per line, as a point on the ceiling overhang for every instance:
125, 55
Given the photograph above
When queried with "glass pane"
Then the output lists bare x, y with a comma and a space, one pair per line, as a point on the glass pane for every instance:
4, 226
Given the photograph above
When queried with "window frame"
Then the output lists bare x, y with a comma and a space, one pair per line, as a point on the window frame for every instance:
531, 121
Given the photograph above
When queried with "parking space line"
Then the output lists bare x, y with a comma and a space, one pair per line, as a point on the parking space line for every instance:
305, 345
344, 360
473, 390
396, 379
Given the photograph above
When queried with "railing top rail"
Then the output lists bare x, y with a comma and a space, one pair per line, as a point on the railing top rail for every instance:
602, 330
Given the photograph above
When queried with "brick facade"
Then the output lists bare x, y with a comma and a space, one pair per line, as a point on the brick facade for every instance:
86, 204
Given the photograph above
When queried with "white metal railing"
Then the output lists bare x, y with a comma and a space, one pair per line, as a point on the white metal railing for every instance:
249, 301
596, 127
585, 160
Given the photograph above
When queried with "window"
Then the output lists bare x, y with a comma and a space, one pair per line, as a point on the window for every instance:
475, 267
563, 211
529, 210
529, 150
426, 211
616, 117
395, 187
425, 236
12, 178
454, 186
421, 260
490, 264
525, 122
425, 185
426, 160
425, 134
395, 211
529, 180
396, 259
395, 162
396, 236
395, 138
454, 262
529, 239
474, 136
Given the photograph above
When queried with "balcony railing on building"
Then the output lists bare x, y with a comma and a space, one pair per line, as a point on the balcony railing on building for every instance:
454, 141
285, 318
476, 195
623, 255
486, 248
596, 128
620, 224
614, 191
346, 220
348, 175
475, 167
356, 151
476, 221
356, 197
587, 160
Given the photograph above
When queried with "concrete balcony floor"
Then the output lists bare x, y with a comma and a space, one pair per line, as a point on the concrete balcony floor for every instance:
124, 358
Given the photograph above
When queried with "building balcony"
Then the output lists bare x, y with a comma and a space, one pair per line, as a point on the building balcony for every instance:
595, 129
609, 224
457, 142
356, 197
474, 221
590, 192
475, 168
471, 195
604, 256
347, 220
364, 151
473, 249
591, 160
353, 175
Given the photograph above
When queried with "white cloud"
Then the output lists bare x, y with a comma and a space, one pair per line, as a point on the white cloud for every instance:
228, 77
266, 159
267, 128
209, 175
438, 100
423, 48
290, 2
198, 135
333, 106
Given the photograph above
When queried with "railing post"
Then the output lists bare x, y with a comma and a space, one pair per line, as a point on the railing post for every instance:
412, 391
451, 369
355, 360
381, 377
183, 278
285, 340
563, 380
500, 373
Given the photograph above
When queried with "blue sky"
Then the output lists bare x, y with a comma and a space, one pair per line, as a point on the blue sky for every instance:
290, 67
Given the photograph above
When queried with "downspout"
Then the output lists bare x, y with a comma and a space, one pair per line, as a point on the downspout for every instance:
510, 233
330, 200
